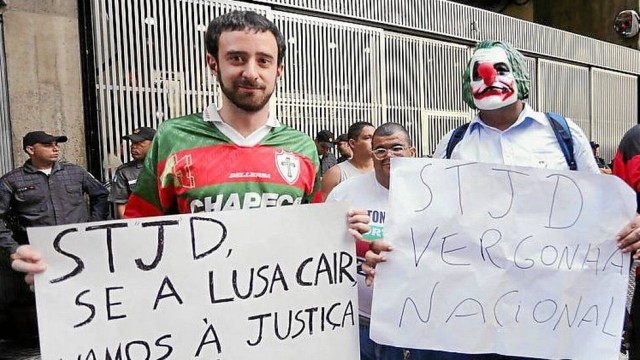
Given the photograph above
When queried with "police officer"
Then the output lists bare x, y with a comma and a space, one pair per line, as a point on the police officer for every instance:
324, 144
342, 144
126, 176
42, 192
45, 191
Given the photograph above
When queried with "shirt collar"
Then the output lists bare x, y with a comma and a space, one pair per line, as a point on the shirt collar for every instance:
211, 114
527, 114
28, 167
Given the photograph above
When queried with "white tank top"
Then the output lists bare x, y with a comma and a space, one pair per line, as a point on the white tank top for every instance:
348, 171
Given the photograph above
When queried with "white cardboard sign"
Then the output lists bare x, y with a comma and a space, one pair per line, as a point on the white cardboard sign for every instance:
267, 283
498, 259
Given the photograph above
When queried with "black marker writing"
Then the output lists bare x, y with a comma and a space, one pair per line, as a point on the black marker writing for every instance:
580, 201
510, 188
166, 283
111, 304
91, 307
210, 336
79, 264
457, 167
108, 227
484, 248
428, 188
160, 247
223, 236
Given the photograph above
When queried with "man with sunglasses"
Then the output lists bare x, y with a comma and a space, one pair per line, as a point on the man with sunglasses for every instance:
45, 191
42, 192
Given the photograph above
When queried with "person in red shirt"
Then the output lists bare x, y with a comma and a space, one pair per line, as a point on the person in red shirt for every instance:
626, 165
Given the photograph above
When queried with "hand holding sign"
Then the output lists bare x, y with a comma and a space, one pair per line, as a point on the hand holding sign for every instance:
204, 285
629, 238
373, 257
524, 259
28, 261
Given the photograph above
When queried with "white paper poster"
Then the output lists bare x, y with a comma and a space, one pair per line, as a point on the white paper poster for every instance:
498, 259
253, 284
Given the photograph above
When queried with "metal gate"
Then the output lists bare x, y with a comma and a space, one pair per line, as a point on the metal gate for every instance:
150, 66
6, 149
565, 89
614, 99
331, 74
419, 94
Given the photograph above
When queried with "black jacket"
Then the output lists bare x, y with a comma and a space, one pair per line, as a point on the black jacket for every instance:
124, 180
28, 197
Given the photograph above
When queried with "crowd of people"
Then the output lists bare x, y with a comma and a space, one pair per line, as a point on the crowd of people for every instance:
172, 169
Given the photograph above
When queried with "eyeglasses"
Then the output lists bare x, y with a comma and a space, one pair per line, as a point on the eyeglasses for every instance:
396, 150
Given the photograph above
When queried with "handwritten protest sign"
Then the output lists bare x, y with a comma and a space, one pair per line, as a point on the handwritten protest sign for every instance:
254, 284
499, 259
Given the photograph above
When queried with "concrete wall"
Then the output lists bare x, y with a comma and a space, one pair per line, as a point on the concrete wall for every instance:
44, 77
524, 12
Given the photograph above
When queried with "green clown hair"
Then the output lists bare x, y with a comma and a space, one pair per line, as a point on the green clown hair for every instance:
519, 71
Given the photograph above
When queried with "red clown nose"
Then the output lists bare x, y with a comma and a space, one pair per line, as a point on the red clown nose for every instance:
488, 73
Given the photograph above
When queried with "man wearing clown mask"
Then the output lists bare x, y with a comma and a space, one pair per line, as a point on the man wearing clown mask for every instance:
507, 130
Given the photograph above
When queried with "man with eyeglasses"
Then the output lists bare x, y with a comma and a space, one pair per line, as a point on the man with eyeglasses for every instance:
371, 191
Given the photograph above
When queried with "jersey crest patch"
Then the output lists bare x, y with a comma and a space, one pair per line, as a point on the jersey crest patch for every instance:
288, 166
177, 172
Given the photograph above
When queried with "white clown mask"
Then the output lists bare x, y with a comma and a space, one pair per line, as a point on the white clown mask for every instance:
493, 85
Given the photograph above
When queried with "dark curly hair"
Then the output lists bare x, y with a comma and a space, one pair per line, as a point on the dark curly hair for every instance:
241, 20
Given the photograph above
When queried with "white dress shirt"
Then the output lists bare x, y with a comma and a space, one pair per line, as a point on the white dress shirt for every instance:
530, 141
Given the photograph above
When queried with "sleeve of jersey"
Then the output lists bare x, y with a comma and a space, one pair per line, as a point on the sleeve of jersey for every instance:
629, 154
315, 196
633, 172
145, 199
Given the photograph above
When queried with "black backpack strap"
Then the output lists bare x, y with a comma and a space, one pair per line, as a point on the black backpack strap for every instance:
563, 134
455, 138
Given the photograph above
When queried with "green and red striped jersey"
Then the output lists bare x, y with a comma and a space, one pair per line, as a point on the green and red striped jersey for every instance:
193, 167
